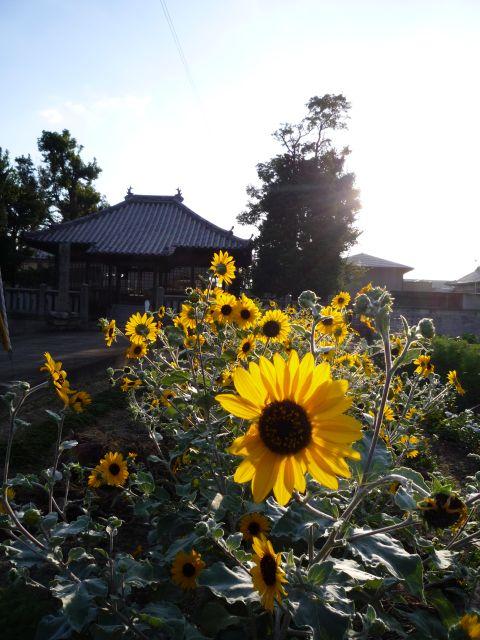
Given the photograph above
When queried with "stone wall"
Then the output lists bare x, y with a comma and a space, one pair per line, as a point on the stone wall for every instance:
451, 322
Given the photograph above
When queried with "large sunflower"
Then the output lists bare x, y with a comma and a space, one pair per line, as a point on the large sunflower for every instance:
113, 469
424, 366
254, 525
274, 326
224, 307
246, 312
140, 328
298, 425
267, 574
186, 567
187, 317
223, 267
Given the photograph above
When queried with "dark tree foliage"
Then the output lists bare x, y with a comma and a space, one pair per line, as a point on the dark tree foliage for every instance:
23, 207
305, 206
66, 178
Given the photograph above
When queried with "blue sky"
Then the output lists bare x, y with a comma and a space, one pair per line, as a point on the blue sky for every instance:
110, 72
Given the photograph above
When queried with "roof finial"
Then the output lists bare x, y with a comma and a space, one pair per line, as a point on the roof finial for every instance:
178, 195
129, 192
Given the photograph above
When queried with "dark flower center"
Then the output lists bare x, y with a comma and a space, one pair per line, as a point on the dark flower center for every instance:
268, 567
142, 329
188, 570
110, 332
221, 269
327, 322
226, 309
246, 347
340, 300
245, 314
271, 328
254, 528
137, 350
114, 469
443, 510
284, 427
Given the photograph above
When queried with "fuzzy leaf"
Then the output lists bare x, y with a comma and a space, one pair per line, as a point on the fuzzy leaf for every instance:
231, 584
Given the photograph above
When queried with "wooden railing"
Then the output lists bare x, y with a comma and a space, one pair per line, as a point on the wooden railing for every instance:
37, 302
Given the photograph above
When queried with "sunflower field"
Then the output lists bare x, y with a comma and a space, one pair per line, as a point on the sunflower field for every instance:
286, 493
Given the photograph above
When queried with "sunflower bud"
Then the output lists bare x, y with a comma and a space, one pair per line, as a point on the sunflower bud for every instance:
426, 328
362, 304
307, 299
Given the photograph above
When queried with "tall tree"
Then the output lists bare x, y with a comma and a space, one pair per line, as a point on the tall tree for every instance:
23, 207
305, 206
67, 179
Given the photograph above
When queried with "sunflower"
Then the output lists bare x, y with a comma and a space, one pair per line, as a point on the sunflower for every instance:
368, 322
95, 479
470, 625
55, 370
443, 509
298, 425
130, 384
10, 496
79, 400
223, 308
246, 347
424, 366
167, 396
341, 300
274, 326
113, 469
340, 332
187, 317
246, 312
136, 350
161, 312
267, 574
140, 328
223, 267
64, 392
452, 378
329, 320
186, 568
254, 525
109, 332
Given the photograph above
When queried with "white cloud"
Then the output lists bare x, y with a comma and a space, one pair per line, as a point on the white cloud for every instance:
98, 108
52, 116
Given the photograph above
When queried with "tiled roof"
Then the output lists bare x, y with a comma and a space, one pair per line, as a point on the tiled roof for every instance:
141, 225
365, 260
471, 277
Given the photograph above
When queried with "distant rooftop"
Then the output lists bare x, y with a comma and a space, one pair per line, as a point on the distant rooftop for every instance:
470, 278
368, 261
140, 225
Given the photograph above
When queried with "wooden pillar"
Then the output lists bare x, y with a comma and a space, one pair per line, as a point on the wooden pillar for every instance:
63, 300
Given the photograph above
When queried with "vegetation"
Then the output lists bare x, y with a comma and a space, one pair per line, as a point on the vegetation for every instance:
60, 188
464, 356
305, 206
281, 496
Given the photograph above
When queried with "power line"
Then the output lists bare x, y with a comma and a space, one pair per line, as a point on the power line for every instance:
178, 45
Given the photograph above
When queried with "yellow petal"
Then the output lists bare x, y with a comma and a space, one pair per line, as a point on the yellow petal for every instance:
266, 472
267, 371
245, 471
237, 406
247, 388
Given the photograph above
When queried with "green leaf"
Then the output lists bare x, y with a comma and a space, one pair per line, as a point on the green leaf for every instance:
164, 615
326, 620
77, 604
381, 462
213, 617
78, 553
68, 444
53, 627
319, 573
296, 522
231, 584
73, 528
145, 482
234, 541
352, 569
382, 550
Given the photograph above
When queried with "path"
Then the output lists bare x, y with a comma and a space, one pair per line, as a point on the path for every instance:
79, 351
